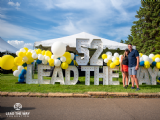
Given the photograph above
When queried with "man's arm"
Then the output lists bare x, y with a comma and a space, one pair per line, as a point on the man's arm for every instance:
137, 66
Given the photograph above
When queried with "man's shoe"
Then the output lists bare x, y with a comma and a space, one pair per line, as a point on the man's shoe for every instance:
132, 87
137, 89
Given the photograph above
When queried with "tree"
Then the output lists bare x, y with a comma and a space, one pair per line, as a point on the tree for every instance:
145, 33
121, 41
130, 39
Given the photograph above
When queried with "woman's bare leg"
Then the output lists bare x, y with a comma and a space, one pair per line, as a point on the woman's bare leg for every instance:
126, 78
123, 79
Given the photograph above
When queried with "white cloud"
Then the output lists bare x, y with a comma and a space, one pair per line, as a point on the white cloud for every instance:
2, 16
17, 4
8, 30
93, 16
120, 32
20, 44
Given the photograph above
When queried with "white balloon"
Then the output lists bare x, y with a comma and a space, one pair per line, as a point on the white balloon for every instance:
40, 57
54, 57
57, 62
116, 54
113, 59
158, 74
150, 60
120, 58
141, 59
146, 58
151, 55
63, 59
157, 60
25, 59
34, 56
44, 61
47, 58
108, 53
29, 50
58, 48
16, 73
106, 60
17, 53
22, 50
109, 57
33, 51
20, 68
72, 56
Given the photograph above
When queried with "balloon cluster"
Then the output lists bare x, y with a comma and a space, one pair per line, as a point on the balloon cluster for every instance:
151, 60
27, 56
144, 60
110, 60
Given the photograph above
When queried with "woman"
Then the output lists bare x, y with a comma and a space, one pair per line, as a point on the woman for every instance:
124, 67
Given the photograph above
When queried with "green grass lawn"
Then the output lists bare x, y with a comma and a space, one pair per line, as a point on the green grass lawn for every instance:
8, 84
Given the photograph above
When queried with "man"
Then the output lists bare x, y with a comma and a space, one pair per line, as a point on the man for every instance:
133, 64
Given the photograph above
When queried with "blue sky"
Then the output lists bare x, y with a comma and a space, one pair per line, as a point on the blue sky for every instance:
22, 22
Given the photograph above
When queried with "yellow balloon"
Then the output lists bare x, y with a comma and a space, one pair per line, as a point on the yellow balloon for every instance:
29, 54
51, 62
68, 60
18, 61
67, 55
147, 63
7, 62
0, 61
117, 58
146, 66
153, 58
21, 54
38, 51
109, 62
116, 62
158, 65
14, 68
112, 65
104, 56
25, 48
31, 60
48, 53
157, 56
140, 54
64, 65
43, 52
25, 68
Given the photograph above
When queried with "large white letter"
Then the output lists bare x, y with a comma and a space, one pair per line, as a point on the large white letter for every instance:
29, 79
103, 75
82, 47
111, 75
143, 76
41, 73
153, 73
99, 45
87, 73
67, 75
57, 71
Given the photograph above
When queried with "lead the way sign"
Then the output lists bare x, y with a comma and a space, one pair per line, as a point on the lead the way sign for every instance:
147, 76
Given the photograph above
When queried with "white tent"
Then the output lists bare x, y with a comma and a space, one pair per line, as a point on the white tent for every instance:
6, 47
71, 41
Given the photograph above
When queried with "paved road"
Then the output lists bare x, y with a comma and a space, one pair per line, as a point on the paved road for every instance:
82, 108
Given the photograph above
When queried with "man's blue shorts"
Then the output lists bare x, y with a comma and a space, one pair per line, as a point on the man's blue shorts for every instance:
132, 70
